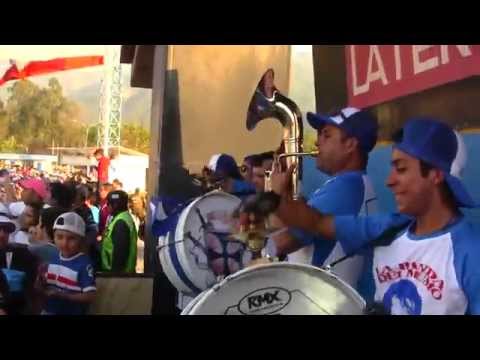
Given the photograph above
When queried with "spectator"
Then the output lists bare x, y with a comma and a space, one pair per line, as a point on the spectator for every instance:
138, 210
42, 244
62, 195
19, 268
34, 192
91, 202
29, 218
102, 166
104, 190
4, 294
69, 281
117, 185
81, 208
119, 244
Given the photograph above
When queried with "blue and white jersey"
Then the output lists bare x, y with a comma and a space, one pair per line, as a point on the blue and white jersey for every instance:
433, 274
349, 193
72, 275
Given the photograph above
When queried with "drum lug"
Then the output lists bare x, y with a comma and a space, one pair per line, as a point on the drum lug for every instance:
327, 268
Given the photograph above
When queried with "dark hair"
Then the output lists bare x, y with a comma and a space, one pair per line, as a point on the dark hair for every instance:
364, 159
268, 155
363, 155
48, 216
98, 152
444, 188
397, 136
92, 195
118, 182
257, 160
36, 213
118, 200
248, 159
63, 194
82, 192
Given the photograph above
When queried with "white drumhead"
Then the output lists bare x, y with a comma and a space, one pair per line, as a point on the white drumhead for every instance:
280, 288
201, 250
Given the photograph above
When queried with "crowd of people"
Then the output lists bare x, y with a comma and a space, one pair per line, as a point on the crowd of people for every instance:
57, 233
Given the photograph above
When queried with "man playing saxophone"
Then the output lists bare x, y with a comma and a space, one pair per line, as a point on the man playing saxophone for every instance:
344, 140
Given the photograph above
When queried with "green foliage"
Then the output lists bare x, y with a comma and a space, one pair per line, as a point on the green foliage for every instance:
33, 119
135, 137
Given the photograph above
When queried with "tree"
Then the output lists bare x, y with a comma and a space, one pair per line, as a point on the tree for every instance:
35, 116
135, 137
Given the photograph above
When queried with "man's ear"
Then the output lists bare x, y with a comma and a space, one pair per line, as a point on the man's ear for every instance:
437, 176
351, 144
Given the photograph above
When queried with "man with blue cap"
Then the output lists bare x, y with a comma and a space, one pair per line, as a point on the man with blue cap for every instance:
344, 140
223, 172
426, 256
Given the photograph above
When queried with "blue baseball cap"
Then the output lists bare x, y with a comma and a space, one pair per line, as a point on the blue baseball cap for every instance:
440, 146
223, 165
355, 122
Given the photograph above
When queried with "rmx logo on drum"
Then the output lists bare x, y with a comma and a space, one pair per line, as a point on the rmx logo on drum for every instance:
264, 301
260, 300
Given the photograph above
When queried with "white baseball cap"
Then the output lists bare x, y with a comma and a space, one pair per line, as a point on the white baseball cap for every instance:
16, 208
72, 222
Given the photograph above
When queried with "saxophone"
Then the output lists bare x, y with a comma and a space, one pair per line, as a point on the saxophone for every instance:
268, 102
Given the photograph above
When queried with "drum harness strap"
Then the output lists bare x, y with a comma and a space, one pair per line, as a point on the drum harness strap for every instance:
384, 239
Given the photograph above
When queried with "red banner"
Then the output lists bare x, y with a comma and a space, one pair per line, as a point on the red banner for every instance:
378, 73
35, 68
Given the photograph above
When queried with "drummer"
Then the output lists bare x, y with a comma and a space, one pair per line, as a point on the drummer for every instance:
344, 140
426, 256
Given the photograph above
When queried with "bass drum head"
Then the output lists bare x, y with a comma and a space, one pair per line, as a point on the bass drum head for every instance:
201, 250
280, 289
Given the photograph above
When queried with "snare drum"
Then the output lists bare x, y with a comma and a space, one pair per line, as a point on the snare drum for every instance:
280, 289
201, 250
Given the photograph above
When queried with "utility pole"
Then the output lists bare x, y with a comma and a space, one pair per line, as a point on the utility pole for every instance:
110, 100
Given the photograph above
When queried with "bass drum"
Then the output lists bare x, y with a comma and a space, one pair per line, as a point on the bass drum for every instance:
279, 289
201, 251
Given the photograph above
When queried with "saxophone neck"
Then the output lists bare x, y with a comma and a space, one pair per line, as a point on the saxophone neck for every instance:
298, 154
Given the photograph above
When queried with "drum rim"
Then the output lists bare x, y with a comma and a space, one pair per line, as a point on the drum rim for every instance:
176, 271
347, 289
194, 301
